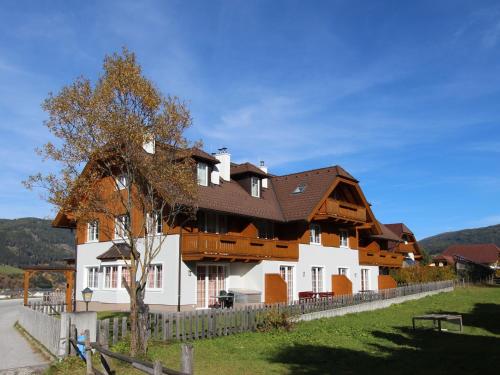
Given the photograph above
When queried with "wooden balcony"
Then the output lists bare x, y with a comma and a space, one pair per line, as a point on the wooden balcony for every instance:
406, 247
342, 211
380, 258
199, 246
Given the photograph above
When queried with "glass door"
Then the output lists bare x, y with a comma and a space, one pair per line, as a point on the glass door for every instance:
211, 279
286, 273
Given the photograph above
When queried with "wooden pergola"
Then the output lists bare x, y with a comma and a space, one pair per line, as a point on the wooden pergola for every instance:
69, 273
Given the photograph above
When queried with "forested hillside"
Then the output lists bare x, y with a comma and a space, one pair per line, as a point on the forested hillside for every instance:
437, 244
33, 241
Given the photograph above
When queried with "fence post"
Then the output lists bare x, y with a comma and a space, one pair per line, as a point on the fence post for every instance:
88, 353
72, 336
157, 368
187, 358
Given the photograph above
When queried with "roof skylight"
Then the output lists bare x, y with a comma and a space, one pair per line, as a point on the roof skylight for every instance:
300, 188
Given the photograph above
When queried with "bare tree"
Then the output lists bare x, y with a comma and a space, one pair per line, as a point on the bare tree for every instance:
125, 169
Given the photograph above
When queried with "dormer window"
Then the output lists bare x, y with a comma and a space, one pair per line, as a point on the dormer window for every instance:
202, 173
122, 182
255, 186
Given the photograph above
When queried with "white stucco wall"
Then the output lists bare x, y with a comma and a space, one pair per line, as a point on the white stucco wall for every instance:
168, 257
331, 259
239, 275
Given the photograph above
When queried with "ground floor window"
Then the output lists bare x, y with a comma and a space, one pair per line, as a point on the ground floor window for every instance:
286, 273
211, 279
125, 276
155, 272
93, 277
317, 279
365, 279
343, 271
110, 277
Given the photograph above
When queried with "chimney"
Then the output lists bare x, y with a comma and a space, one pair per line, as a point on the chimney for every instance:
224, 166
215, 174
263, 168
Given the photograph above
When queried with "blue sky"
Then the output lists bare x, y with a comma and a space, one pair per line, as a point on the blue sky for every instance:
404, 95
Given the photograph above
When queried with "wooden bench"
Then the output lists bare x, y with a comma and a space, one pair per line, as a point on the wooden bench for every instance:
438, 318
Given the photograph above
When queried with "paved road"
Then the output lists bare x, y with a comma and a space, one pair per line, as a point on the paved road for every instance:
15, 351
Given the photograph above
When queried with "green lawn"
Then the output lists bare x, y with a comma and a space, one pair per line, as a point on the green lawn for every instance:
378, 342
9, 270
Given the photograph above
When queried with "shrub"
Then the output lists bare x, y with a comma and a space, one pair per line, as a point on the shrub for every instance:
275, 320
422, 274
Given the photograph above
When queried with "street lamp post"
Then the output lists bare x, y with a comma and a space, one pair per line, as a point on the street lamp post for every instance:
87, 296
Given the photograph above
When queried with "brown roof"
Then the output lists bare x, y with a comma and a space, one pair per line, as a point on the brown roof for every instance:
278, 202
231, 197
479, 253
399, 229
387, 234
237, 169
116, 251
298, 206
205, 156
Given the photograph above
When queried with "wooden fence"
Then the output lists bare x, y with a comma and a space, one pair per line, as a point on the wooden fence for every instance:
202, 324
46, 329
47, 307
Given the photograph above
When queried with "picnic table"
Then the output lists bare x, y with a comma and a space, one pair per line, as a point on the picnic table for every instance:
438, 318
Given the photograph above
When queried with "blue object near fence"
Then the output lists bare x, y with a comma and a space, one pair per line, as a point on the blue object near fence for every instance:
81, 346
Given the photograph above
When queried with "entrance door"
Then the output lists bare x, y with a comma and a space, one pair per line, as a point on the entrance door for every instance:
286, 273
211, 279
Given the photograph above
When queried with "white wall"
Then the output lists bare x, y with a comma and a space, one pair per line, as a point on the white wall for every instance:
331, 259
168, 257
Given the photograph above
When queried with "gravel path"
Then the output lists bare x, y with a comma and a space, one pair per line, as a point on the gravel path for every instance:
17, 355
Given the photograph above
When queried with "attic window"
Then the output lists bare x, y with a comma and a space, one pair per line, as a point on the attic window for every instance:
300, 188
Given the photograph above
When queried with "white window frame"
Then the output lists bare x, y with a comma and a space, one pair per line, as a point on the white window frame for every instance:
202, 168
90, 231
294, 280
120, 229
122, 182
226, 281
321, 278
346, 274
118, 277
255, 184
95, 278
155, 270
346, 242
315, 234
367, 279
154, 220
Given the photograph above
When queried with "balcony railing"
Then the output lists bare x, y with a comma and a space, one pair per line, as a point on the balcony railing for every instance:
380, 258
344, 210
198, 246
406, 247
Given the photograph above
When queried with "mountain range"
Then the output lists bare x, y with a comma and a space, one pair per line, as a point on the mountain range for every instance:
28, 241
437, 244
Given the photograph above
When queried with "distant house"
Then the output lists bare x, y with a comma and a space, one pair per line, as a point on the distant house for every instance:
407, 243
475, 261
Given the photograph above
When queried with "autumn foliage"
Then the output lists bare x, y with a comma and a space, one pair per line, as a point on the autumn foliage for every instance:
422, 274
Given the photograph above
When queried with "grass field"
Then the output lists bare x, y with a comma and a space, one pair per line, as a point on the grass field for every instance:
378, 342
9, 270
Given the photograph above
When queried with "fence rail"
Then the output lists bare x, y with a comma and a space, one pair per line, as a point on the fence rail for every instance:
202, 324
47, 307
45, 328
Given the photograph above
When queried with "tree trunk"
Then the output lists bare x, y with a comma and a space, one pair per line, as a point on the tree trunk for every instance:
139, 321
